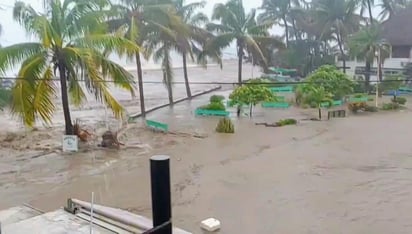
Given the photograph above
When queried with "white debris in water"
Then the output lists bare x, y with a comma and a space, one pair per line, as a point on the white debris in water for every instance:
210, 224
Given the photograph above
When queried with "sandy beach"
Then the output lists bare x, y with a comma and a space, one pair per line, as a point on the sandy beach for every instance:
349, 175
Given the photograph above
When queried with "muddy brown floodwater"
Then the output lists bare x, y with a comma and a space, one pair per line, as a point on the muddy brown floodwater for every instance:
350, 175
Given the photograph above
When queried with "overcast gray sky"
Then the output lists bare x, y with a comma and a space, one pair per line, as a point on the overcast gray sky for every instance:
13, 33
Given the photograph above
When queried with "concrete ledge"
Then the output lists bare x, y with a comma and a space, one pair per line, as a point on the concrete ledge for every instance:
137, 115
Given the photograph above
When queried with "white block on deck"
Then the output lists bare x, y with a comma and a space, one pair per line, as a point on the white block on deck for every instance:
210, 224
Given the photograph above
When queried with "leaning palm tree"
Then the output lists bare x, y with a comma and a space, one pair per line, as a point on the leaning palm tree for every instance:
196, 35
160, 43
236, 25
139, 18
71, 44
339, 19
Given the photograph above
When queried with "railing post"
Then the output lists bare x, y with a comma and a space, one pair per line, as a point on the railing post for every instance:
160, 184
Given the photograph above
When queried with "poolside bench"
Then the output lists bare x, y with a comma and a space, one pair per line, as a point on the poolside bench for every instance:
211, 112
336, 113
157, 125
284, 89
360, 99
280, 105
334, 103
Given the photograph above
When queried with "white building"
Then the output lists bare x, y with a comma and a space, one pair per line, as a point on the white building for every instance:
397, 31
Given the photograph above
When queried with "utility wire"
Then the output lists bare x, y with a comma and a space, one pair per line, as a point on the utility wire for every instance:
223, 83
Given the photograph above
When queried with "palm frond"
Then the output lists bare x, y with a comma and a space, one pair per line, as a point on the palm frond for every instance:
109, 43
220, 42
45, 93
24, 92
94, 79
14, 54
253, 46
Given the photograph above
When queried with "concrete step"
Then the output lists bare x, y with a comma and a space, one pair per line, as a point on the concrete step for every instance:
17, 214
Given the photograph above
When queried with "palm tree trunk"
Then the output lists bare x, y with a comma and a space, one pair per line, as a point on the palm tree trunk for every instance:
250, 110
320, 112
140, 84
240, 62
342, 53
65, 101
188, 92
169, 87
295, 30
367, 75
370, 11
286, 30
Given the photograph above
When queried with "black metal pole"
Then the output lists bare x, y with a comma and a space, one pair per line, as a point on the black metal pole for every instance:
161, 201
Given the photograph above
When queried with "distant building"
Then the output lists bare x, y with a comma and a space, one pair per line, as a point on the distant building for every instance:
397, 31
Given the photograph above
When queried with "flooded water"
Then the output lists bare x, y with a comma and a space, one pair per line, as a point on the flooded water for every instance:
349, 175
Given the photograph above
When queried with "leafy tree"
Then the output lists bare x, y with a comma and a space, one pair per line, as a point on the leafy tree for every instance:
339, 19
236, 25
391, 82
332, 80
251, 95
71, 41
314, 95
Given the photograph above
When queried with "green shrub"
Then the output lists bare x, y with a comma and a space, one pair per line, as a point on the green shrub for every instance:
371, 108
370, 99
5, 97
225, 125
285, 122
359, 95
399, 100
390, 106
217, 98
357, 106
218, 106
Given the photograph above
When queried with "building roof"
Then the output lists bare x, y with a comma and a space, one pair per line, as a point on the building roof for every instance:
397, 30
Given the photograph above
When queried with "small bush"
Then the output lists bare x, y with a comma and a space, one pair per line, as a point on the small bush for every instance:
357, 106
216, 98
285, 122
399, 100
225, 125
371, 108
390, 106
218, 106
371, 99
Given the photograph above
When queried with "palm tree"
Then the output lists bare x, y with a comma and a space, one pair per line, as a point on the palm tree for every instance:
366, 5
365, 43
71, 41
274, 11
389, 7
160, 43
138, 18
236, 25
339, 19
193, 21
